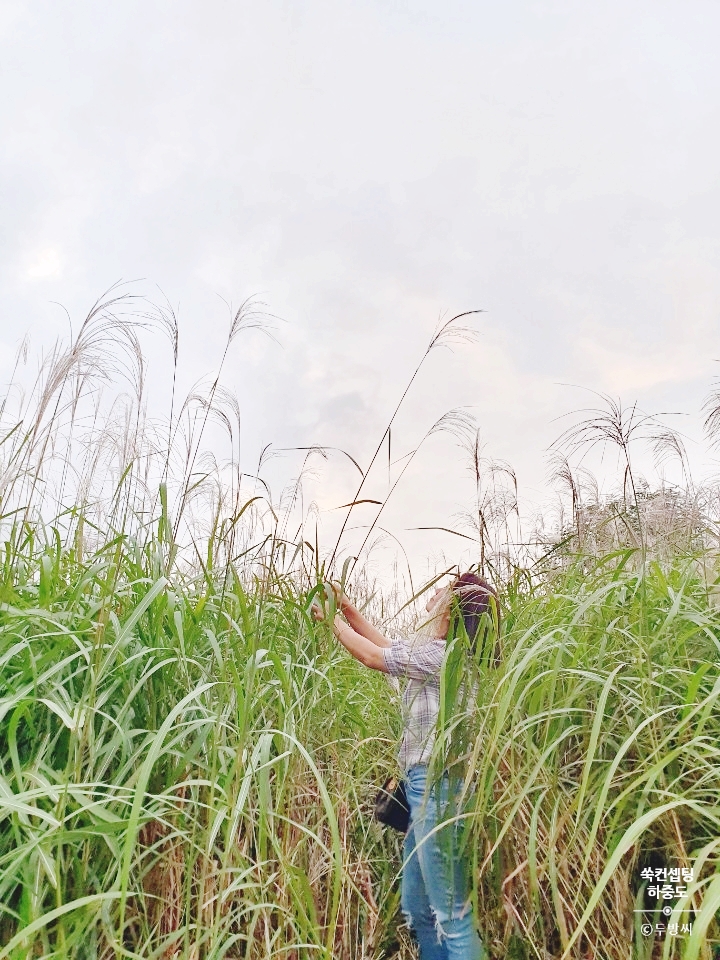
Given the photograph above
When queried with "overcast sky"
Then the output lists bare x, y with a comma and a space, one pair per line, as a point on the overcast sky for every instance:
366, 168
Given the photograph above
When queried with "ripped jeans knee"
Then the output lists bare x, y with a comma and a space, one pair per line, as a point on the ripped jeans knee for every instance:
430, 925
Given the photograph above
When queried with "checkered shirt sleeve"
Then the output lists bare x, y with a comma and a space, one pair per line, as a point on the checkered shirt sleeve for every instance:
414, 661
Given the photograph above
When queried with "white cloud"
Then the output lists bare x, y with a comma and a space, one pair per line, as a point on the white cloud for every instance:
46, 264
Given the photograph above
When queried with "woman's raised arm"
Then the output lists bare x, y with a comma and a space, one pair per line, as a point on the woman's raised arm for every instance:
358, 622
362, 648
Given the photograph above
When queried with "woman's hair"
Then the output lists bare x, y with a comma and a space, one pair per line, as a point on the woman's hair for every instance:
476, 597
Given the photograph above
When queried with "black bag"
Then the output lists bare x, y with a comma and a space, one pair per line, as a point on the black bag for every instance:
391, 805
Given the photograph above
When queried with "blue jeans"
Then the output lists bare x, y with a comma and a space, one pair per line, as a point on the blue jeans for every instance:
435, 894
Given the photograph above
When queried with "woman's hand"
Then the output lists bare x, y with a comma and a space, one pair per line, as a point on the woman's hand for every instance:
318, 608
317, 612
341, 600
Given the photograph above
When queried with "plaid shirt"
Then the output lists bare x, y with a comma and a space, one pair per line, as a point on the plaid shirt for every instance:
419, 660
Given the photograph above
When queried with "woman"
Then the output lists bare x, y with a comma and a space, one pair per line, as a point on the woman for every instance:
435, 892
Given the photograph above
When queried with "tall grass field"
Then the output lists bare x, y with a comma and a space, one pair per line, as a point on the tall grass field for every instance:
188, 763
